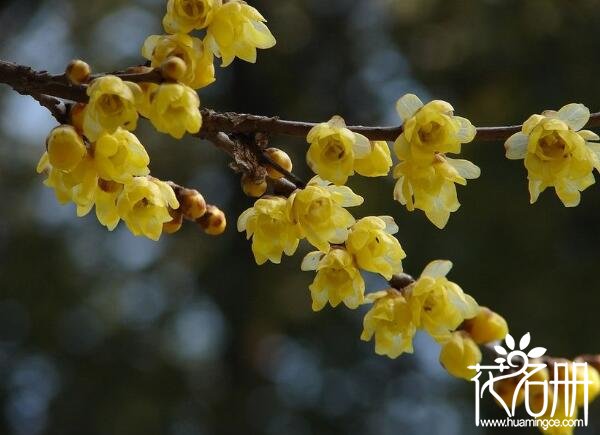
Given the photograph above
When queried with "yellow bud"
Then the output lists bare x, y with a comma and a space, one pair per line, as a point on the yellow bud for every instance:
486, 327
506, 390
458, 353
174, 225
78, 71
279, 157
173, 68
192, 203
76, 114
65, 148
213, 222
253, 188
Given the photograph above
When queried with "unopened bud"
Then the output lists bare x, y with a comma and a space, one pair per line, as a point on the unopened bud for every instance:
192, 204
486, 327
65, 148
173, 68
78, 71
279, 157
175, 224
458, 353
213, 222
252, 187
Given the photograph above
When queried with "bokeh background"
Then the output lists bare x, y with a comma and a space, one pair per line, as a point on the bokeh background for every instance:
105, 333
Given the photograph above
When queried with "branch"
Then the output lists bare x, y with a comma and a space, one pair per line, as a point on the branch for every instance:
28, 81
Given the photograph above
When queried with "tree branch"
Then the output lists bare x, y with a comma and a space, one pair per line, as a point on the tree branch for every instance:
28, 81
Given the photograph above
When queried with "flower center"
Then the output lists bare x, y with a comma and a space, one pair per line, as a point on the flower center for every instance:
111, 104
552, 146
334, 150
192, 8
430, 132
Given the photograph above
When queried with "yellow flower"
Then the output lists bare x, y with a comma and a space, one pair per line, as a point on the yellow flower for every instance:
65, 148
486, 327
270, 228
439, 305
120, 156
377, 163
183, 16
338, 279
458, 353
333, 149
112, 104
432, 128
199, 71
557, 152
431, 187
319, 213
105, 200
174, 109
390, 321
373, 246
237, 29
144, 206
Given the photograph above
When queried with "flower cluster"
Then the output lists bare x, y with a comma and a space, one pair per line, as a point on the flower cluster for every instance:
432, 303
557, 152
426, 176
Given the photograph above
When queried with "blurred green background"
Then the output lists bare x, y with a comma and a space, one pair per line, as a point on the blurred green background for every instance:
105, 333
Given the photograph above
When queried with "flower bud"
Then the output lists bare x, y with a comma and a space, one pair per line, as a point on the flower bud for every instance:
252, 187
78, 71
279, 157
486, 326
173, 68
213, 222
192, 203
65, 148
76, 114
458, 353
175, 224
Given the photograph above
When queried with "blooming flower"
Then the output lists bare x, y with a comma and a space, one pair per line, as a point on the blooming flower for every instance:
199, 71
390, 322
237, 29
183, 16
376, 163
319, 213
557, 153
439, 306
174, 109
337, 280
333, 149
458, 353
432, 128
144, 206
371, 242
112, 104
120, 156
267, 222
431, 187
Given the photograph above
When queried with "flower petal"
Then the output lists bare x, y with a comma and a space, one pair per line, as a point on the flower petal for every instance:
574, 115
465, 168
311, 260
516, 146
408, 105
437, 268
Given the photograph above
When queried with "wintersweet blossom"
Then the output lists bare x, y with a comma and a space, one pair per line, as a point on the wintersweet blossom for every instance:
237, 30
333, 150
319, 212
199, 67
439, 306
175, 109
112, 104
183, 16
371, 242
390, 321
458, 353
557, 153
272, 232
337, 280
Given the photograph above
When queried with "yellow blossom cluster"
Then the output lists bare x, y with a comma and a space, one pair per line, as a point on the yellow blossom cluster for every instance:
110, 174
557, 152
426, 176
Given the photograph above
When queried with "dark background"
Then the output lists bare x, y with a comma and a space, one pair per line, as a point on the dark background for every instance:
104, 333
